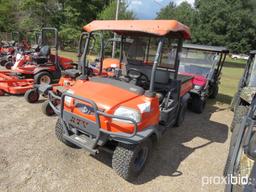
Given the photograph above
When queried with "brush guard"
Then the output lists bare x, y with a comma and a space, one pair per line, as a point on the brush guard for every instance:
93, 135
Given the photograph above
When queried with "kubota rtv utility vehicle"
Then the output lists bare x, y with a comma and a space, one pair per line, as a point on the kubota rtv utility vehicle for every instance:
204, 63
125, 112
246, 90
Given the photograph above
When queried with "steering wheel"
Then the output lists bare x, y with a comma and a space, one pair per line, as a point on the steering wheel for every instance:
138, 77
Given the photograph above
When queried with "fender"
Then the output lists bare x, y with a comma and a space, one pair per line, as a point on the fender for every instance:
40, 69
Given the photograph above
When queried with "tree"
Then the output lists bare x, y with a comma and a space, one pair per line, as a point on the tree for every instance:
183, 13
109, 12
7, 15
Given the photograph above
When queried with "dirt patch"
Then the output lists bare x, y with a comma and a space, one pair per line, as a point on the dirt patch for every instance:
31, 158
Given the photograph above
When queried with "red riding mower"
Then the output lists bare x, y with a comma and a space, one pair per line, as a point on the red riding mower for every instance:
39, 68
125, 112
204, 64
9, 46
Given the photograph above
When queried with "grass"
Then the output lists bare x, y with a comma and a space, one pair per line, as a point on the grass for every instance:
231, 74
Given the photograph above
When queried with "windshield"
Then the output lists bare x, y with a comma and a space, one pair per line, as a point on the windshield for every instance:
251, 80
142, 51
198, 62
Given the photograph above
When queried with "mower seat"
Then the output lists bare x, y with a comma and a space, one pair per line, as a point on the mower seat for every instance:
73, 73
43, 55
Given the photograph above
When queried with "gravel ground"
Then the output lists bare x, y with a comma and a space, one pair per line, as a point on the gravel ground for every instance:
32, 159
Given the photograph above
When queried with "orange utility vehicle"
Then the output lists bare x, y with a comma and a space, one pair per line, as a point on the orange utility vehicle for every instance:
125, 112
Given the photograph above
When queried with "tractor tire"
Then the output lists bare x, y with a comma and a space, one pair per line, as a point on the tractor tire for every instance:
128, 161
43, 78
2, 93
197, 104
240, 111
32, 96
3, 62
47, 109
214, 92
181, 116
59, 134
9, 65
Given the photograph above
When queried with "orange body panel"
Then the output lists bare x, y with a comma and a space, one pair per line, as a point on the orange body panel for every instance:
109, 101
154, 27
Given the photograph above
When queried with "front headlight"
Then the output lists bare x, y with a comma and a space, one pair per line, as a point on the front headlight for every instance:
69, 101
197, 87
127, 113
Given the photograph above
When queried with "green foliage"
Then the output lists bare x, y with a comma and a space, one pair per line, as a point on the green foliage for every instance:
230, 23
109, 13
7, 16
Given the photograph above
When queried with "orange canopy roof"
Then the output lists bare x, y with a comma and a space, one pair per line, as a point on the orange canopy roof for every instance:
153, 27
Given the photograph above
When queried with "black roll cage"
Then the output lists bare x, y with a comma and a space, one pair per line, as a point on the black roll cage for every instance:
84, 64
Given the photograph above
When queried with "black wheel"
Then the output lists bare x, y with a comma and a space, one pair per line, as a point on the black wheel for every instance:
2, 93
8, 65
240, 111
214, 92
3, 62
32, 96
43, 78
59, 134
197, 104
129, 160
181, 115
47, 109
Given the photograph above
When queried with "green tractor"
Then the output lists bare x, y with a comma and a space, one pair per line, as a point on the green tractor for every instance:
246, 90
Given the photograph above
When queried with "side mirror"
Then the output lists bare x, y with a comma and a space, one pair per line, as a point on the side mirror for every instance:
251, 150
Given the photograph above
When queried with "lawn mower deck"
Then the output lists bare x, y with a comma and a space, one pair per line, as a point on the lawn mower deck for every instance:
12, 84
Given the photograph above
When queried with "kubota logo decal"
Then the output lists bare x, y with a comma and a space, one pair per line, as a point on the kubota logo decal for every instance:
78, 122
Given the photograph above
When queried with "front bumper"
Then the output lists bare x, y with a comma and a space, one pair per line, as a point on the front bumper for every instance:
89, 134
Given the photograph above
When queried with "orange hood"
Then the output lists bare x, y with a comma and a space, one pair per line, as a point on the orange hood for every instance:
106, 96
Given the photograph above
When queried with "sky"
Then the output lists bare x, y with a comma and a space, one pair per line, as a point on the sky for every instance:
147, 9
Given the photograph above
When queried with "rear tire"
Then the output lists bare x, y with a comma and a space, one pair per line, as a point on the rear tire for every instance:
129, 160
214, 92
47, 109
2, 93
197, 104
8, 65
240, 111
32, 96
59, 131
3, 62
43, 78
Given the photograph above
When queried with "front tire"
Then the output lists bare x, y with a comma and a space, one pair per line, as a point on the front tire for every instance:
43, 78
240, 111
8, 65
47, 109
129, 160
32, 96
197, 104
59, 131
